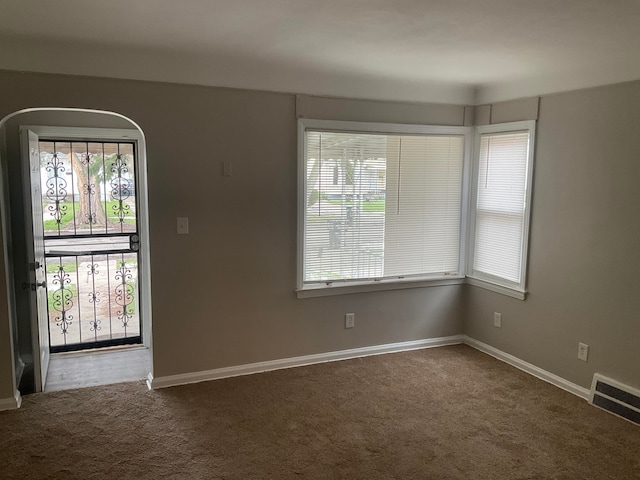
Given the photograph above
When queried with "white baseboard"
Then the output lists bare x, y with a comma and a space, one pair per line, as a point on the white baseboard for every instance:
248, 369
251, 368
531, 369
11, 403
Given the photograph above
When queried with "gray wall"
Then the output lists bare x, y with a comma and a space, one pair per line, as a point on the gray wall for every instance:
584, 252
224, 295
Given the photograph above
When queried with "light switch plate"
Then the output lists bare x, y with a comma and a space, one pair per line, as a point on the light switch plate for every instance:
183, 226
226, 168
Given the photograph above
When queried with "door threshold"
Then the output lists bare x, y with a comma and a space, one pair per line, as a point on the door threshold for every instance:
99, 351
80, 370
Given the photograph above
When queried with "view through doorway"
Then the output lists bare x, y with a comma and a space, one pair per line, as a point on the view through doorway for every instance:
91, 243
88, 277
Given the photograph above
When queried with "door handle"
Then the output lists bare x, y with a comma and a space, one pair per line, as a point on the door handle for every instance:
34, 286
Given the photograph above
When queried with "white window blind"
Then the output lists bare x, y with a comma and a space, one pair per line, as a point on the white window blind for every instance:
501, 204
381, 205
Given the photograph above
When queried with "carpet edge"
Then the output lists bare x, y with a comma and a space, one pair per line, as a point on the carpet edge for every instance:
529, 368
251, 368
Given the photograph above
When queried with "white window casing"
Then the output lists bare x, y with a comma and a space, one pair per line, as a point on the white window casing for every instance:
501, 206
381, 206
391, 206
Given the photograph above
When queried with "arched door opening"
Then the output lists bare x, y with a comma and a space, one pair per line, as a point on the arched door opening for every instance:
80, 249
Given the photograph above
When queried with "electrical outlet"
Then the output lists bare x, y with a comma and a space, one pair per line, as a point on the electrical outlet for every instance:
497, 319
583, 351
349, 320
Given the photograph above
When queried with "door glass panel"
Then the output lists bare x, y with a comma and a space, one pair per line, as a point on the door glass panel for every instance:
92, 298
88, 187
91, 243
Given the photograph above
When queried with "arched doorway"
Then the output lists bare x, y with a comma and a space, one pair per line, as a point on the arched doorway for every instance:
79, 245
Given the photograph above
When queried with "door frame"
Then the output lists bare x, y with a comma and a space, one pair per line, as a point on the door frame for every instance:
81, 133
41, 348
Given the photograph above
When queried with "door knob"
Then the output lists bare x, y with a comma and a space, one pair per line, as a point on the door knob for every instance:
38, 284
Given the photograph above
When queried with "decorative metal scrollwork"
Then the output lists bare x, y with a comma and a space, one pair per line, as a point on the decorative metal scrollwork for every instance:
62, 299
120, 188
94, 297
95, 325
89, 190
87, 159
124, 294
56, 188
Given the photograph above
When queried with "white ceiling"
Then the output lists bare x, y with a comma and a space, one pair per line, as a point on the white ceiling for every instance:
458, 51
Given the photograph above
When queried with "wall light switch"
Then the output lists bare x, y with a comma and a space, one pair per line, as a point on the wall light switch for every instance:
497, 319
226, 168
183, 226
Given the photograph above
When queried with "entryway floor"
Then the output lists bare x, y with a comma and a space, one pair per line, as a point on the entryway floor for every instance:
97, 367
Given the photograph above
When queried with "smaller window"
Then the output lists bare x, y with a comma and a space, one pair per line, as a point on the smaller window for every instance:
501, 204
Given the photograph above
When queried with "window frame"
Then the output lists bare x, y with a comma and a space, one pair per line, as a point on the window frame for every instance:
345, 287
481, 279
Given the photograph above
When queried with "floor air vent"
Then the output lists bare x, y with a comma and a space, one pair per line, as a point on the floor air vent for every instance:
614, 397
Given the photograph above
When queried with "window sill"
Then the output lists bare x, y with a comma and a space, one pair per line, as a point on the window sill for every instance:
344, 289
510, 292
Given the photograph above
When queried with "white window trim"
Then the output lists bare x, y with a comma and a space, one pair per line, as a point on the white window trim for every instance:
358, 286
480, 279
382, 285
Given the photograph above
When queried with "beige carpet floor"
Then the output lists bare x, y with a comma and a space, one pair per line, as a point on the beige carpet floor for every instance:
442, 413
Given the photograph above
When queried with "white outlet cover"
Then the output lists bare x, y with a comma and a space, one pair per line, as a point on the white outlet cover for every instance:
349, 320
583, 352
497, 319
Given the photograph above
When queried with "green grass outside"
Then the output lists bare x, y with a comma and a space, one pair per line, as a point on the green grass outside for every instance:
66, 217
131, 308
369, 206
55, 267
50, 296
374, 206
52, 224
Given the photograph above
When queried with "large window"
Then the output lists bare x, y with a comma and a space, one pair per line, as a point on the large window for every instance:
382, 205
501, 204
379, 207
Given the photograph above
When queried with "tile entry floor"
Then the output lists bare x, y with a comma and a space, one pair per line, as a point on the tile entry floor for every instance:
97, 367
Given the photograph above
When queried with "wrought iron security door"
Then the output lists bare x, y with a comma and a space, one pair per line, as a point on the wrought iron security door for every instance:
91, 243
